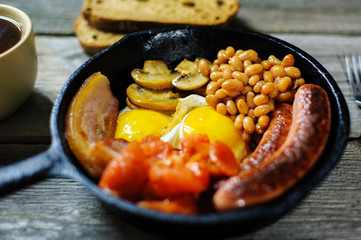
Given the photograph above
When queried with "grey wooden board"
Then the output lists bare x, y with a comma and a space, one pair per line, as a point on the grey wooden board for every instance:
57, 17
60, 208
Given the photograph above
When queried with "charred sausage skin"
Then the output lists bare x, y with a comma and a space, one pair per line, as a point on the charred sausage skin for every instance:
278, 172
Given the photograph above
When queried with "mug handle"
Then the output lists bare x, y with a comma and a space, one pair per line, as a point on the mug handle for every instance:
26, 171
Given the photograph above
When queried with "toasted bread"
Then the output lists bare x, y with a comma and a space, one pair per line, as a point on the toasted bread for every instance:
91, 39
133, 15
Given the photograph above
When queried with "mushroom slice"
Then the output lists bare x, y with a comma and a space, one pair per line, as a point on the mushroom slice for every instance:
132, 105
158, 100
156, 67
155, 75
190, 78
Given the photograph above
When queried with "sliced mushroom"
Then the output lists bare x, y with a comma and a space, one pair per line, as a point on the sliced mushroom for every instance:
132, 105
190, 78
158, 100
155, 75
156, 67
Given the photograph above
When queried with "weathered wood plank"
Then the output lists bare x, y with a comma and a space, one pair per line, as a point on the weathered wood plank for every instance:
54, 17
301, 16
11, 153
61, 208
30, 124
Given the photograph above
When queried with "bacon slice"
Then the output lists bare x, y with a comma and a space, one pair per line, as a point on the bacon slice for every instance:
92, 116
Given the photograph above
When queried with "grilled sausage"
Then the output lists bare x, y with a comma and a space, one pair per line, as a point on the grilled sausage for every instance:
304, 144
273, 137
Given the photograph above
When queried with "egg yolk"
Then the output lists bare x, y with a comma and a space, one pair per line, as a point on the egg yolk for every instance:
205, 120
135, 124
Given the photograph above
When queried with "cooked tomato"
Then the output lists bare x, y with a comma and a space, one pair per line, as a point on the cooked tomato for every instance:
223, 158
126, 175
153, 172
194, 143
173, 177
153, 147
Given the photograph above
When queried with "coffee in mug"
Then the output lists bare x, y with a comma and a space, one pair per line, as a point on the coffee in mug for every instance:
10, 33
18, 59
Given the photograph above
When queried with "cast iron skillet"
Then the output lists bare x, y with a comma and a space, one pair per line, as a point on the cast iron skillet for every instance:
173, 45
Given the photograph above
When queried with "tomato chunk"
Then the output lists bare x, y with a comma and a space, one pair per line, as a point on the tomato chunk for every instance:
172, 177
155, 148
194, 143
223, 158
158, 177
126, 175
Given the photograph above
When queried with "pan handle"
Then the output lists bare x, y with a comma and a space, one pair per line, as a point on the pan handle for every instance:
29, 170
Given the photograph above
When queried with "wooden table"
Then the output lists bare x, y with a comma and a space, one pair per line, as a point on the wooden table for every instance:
60, 208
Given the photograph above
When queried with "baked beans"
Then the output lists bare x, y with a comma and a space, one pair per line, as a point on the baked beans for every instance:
260, 99
246, 87
236, 64
293, 72
221, 93
204, 67
288, 60
231, 107
232, 85
284, 84
238, 122
241, 76
212, 100
263, 121
248, 125
250, 99
221, 108
212, 87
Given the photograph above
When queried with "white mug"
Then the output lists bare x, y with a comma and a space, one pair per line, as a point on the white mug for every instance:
18, 64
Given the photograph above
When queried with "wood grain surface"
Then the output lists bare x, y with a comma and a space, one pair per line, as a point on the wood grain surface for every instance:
61, 208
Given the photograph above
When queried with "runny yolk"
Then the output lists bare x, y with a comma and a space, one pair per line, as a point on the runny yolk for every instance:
135, 124
205, 120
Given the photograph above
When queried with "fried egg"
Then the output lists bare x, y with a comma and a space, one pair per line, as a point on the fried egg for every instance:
136, 124
192, 116
218, 127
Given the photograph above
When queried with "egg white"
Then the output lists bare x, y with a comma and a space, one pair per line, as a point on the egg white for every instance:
185, 106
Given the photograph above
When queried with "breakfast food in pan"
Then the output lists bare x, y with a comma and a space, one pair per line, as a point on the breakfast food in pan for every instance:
103, 22
226, 134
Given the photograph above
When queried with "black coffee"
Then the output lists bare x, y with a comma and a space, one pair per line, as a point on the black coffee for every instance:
10, 33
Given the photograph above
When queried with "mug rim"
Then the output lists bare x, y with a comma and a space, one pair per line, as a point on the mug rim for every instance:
23, 19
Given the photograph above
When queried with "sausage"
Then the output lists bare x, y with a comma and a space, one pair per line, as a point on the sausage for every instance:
275, 175
273, 137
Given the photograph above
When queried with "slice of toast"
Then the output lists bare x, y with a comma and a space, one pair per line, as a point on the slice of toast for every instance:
91, 39
133, 15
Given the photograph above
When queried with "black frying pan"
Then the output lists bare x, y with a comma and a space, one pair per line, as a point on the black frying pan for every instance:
173, 45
